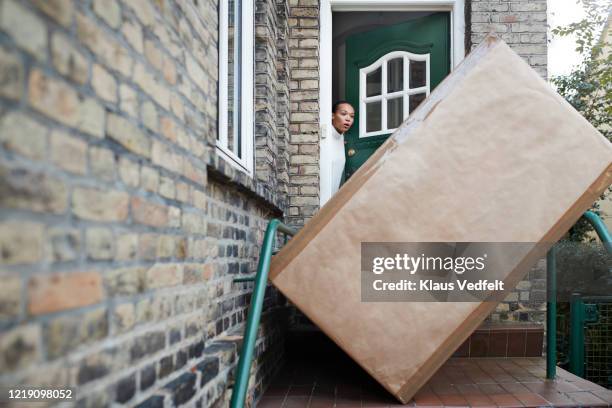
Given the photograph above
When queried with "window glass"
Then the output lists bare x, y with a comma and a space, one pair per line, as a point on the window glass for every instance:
415, 101
395, 112
373, 116
373, 83
236, 42
395, 75
418, 74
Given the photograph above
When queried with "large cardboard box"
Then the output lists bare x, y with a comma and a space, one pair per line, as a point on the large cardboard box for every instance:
493, 155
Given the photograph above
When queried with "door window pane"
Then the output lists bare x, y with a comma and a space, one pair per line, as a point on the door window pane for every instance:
373, 116
418, 74
395, 112
395, 75
415, 101
388, 86
373, 83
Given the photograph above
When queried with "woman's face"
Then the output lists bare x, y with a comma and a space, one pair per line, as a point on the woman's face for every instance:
343, 118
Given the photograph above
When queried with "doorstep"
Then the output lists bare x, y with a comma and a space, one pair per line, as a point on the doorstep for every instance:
317, 374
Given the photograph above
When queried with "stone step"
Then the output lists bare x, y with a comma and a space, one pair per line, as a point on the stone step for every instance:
511, 339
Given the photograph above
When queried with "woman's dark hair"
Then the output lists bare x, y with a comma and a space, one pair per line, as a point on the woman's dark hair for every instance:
337, 105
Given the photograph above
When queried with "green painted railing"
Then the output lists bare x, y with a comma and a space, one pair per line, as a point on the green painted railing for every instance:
257, 298
261, 278
551, 314
576, 311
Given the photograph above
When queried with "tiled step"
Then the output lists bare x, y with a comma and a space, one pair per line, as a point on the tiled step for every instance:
504, 340
489, 340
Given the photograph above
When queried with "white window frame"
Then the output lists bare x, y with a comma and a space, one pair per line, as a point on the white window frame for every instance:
384, 95
457, 11
246, 108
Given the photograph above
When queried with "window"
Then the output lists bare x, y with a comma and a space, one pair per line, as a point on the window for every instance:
389, 90
236, 124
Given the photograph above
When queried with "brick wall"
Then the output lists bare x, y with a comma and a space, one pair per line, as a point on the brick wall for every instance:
520, 23
120, 227
304, 147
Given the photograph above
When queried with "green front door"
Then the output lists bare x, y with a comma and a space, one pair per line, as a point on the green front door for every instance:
389, 71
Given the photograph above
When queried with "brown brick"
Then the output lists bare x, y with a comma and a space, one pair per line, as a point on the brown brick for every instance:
164, 156
151, 86
129, 172
198, 248
163, 275
104, 84
143, 10
65, 333
200, 199
147, 246
23, 135
124, 317
196, 73
52, 293
304, 117
111, 52
68, 152
129, 100
68, 60
148, 112
194, 173
174, 217
304, 33
193, 223
182, 192
128, 135
124, 281
60, 10
32, 191
133, 34
307, 138
302, 159
99, 243
304, 200
20, 348
100, 205
127, 247
149, 179
169, 71
102, 163
24, 27
177, 107
145, 212
63, 244
304, 12
11, 74
166, 246
153, 54
60, 102
166, 188
109, 11
10, 296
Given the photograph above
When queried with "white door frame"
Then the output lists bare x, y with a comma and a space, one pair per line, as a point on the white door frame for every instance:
456, 9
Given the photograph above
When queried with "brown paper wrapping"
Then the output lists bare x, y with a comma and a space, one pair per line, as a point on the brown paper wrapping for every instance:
493, 155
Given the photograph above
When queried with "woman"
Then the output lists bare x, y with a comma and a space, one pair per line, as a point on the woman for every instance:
343, 116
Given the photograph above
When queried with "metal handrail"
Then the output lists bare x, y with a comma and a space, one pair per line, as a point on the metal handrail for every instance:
257, 298
551, 304
261, 278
